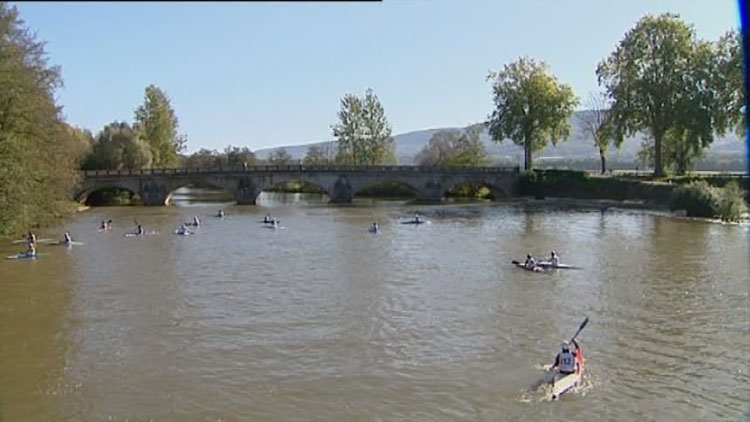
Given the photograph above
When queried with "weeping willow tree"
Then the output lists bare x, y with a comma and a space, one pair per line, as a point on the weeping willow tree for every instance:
39, 152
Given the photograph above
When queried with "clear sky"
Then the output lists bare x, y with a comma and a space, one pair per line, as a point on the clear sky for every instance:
271, 74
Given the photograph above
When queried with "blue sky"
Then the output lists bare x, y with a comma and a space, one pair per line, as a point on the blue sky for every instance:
272, 74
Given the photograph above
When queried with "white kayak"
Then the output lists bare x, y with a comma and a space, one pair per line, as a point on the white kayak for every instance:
139, 235
15, 242
546, 264
24, 255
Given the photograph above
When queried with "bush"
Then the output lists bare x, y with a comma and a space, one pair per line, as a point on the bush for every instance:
731, 202
697, 198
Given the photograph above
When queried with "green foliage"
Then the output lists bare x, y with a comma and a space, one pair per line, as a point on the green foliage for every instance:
454, 148
280, 157
363, 133
156, 123
731, 202
112, 197
531, 107
387, 190
699, 199
39, 152
662, 81
231, 157
118, 147
730, 82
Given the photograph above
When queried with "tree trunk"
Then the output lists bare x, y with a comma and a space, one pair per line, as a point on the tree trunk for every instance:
604, 159
527, 164
658, 169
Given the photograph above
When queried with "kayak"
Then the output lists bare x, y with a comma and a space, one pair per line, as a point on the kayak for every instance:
138, 235
562, 383
536, 269
414, 222
15, 242
558, 266
23, 255
183, 234
62, 242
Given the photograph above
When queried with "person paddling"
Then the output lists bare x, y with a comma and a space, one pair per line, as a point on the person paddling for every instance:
554, 259
374, 228
67, 239
32, 237
221, 213
566, 362
530, 263
417, 220
140, 231
267, 219
30, 249
196, 221
103, 226
183, 230
109, 224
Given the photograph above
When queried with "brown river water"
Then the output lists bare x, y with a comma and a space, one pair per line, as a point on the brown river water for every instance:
320, 320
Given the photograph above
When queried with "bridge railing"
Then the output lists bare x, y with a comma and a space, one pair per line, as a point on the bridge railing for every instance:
298, 168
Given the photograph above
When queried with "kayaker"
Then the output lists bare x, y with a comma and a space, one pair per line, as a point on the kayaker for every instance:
554, 260
140, 231
68, 240
30, 249
196, 221
221, 213
109, 224
374, 227
32, 237
416, 218
566, 361
530, 262
103, 226
267, 219
183, 229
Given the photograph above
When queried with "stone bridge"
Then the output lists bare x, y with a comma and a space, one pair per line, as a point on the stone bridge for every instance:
340, 183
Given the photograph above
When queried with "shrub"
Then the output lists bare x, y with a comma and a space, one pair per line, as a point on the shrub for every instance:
731, 202
697, 198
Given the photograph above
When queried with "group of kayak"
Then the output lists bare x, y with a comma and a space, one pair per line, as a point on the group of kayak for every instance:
32, 242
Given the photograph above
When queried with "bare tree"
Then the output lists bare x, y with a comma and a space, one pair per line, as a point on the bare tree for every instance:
596, 123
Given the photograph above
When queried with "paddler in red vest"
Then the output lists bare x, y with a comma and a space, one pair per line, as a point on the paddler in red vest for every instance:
566, 361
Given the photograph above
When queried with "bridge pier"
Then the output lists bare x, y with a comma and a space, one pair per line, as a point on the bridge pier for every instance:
246, 192
154, 194
342, 192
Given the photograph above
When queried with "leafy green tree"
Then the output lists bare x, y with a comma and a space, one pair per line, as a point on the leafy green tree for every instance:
280, 156
596, 124
118, 147
531, 107
202, 159
363, 133
455, 148
237, 157
39, 152
731, 84
660, 80
156, 123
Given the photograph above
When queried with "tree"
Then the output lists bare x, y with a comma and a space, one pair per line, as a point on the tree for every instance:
280, 157
455, 148
660, 80
531, 107
39, 152
363, 133
156, 123
118, 147
237, 157
204, 158
731, 84
595, 122
320, 154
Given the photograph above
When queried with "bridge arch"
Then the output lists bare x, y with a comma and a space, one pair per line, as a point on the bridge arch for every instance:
400, 185
83, 195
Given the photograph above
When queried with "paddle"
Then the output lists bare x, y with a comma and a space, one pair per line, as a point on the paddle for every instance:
583, 325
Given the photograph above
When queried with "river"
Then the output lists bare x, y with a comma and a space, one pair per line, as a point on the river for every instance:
319, 320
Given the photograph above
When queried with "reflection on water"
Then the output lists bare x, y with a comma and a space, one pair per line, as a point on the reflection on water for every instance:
324, 321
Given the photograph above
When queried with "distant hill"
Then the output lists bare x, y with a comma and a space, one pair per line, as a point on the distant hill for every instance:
578, 147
